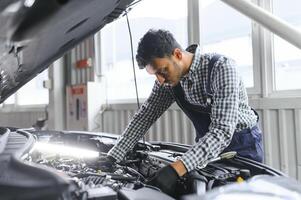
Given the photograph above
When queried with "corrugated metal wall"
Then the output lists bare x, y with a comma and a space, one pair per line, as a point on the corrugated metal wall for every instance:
280, 120
21, 119
171, 126
282, 139
82, 51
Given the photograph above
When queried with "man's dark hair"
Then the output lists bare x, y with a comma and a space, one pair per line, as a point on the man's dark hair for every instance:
155, 44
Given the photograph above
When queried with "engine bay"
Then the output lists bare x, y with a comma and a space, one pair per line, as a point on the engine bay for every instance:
128, 179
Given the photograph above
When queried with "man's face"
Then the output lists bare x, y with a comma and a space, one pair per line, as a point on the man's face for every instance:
168, 70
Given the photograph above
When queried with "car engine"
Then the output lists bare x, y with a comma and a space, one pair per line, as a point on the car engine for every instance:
128, 179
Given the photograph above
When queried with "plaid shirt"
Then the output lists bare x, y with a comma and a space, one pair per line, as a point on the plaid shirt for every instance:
230, 110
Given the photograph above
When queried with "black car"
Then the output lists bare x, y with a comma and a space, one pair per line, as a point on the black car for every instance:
60, 165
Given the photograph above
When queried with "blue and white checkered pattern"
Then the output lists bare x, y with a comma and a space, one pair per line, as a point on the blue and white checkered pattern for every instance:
230, 110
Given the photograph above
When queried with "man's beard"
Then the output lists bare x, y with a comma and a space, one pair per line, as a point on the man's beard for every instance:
178, 73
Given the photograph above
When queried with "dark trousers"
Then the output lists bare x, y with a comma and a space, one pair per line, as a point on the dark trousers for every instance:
247, 143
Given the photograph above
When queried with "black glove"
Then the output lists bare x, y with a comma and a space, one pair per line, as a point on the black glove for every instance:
165, 179
106, 163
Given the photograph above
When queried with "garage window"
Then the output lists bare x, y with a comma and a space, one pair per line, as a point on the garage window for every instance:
116, 60
226, 31
287, 58
31, 94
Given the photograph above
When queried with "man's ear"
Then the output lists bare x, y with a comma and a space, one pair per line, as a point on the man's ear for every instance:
177, 52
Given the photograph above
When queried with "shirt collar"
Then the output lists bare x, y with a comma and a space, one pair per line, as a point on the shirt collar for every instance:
194, 48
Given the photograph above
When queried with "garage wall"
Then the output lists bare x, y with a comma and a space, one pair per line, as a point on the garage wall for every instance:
280, 120
21, 119
173, 125
82, 51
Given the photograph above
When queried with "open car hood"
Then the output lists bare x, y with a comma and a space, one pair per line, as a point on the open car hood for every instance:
34, 33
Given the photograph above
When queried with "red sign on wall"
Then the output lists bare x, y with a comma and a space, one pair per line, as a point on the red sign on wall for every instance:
85, 63
77, 90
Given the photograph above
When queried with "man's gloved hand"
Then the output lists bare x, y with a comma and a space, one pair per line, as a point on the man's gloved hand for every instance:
165, 179
106, 163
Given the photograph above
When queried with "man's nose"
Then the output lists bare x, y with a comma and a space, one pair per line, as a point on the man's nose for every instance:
161, 79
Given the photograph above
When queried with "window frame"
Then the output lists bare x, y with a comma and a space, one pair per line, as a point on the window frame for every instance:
11, 107
269, 67
262, 47
255, 37
100, 68
274, 91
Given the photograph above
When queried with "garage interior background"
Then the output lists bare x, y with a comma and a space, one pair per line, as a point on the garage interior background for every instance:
92, 86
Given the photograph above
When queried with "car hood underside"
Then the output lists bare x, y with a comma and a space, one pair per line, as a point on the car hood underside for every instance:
33, 34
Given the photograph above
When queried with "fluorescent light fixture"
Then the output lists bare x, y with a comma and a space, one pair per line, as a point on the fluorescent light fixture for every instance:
63, 150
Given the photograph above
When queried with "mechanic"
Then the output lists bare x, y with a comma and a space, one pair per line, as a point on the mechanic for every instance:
207, 88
